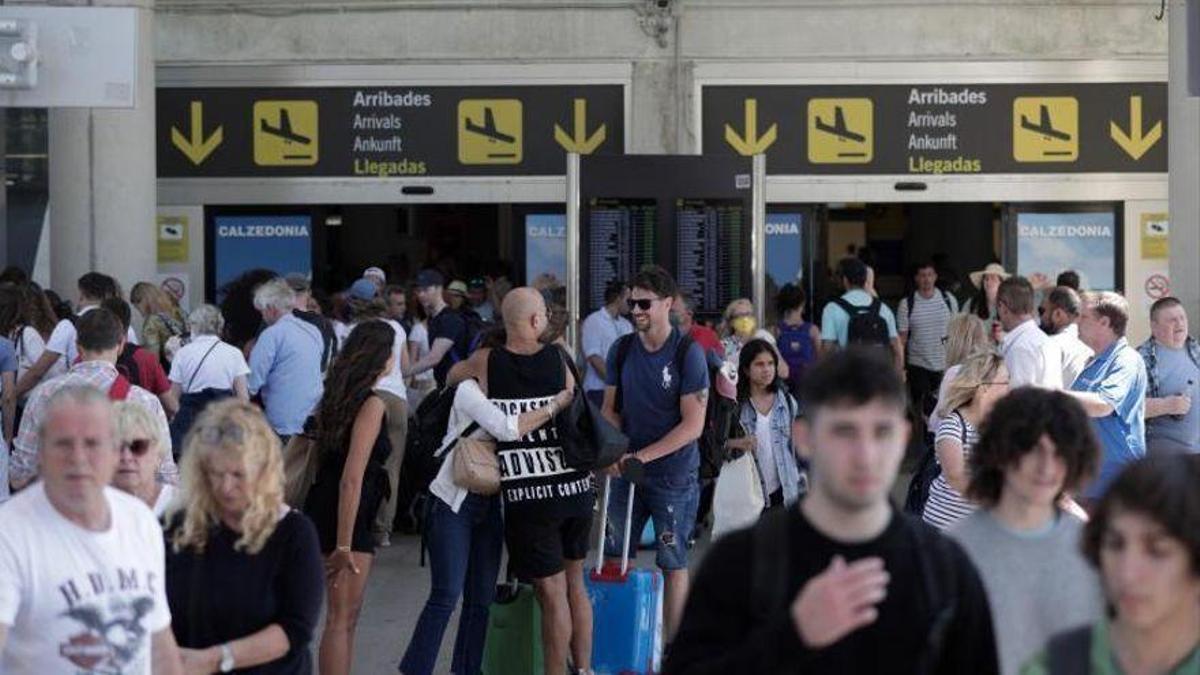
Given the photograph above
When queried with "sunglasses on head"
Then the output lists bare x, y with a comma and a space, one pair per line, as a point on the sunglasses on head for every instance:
214, 434
137, 447
643, 304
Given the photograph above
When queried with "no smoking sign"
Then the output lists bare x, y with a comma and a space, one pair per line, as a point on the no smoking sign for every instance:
1157, 286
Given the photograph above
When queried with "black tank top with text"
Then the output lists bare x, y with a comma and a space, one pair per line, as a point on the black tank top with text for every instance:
533, 476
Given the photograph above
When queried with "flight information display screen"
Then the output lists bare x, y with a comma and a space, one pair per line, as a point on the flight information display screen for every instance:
622, 236
710, 248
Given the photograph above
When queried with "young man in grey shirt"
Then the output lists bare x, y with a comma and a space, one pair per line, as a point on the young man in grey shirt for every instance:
1173, 381
1036, 448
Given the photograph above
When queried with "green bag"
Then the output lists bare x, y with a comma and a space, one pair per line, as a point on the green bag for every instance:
514, 634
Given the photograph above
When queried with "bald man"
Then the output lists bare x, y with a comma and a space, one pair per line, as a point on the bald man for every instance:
547, 505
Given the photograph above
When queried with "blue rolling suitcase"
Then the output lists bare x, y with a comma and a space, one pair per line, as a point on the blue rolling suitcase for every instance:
626, 606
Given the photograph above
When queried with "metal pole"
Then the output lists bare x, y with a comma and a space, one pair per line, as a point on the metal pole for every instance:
758, 237
573, 271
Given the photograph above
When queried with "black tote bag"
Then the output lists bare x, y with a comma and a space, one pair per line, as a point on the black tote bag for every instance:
589, 441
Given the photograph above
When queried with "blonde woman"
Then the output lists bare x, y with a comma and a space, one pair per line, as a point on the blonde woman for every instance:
143, 449
162, 316
738, 327
981, 382
966, 334
244, 579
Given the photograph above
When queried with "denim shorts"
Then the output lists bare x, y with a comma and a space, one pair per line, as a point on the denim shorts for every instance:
670, 501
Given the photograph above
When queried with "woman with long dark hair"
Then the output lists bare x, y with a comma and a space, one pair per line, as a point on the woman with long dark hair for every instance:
767, 413
351, 481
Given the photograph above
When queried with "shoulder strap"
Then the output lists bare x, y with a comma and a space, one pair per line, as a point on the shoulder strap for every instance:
196, 372
624, 344
962, 425
912, 302
1068, 653
769, 584
942, 609
119, 390
848, 308
946, 299
876, 305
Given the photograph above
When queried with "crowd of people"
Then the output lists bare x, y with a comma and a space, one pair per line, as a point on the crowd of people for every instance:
152, 454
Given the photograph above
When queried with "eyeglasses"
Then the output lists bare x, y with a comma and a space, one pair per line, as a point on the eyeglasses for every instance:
995, 382
137, 447
945, 339
643, 304
215, 434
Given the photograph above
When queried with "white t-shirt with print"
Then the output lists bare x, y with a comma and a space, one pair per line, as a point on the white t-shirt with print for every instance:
218, 369
420, 337
394, 383
78, 601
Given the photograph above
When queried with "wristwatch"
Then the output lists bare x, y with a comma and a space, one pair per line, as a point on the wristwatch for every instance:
226, 664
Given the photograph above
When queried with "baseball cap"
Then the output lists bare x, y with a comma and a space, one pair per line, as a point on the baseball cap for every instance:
457, 287
298, 282
375, 272
363, 289
427, 278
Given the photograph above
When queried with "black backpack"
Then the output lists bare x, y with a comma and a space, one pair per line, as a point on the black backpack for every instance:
867, 325
421, 458
719, 415
476, 327
912, 301
329, 341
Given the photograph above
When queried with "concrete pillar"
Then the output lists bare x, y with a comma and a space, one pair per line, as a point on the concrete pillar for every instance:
1183, 123
103, 180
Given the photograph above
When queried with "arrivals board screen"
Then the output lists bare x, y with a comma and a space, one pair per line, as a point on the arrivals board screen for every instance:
711, 247
622, 235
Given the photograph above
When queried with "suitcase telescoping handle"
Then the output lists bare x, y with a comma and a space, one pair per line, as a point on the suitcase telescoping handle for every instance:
632, 470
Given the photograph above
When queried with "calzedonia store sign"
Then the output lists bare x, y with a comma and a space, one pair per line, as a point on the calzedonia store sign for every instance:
942, 129
384, 132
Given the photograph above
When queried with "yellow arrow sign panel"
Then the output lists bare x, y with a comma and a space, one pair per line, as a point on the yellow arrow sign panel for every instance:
196, 147
841, 130
580, 142
490, 131
1135, 143
1046, 129
285, 133
750, 143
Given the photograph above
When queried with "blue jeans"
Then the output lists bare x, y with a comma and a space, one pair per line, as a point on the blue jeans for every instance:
464, 559
671, 501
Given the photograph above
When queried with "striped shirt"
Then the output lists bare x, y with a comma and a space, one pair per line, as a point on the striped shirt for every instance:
926, 328
945, 506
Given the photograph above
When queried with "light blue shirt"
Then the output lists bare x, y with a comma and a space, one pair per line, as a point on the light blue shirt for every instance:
285, 365
1118, 375
835, 323
600, 331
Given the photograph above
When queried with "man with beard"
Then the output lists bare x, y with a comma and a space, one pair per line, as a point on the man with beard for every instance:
1060, 320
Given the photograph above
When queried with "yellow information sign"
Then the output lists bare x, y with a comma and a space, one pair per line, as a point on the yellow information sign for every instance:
1156, 236
1046, 129
172, 239
285, 133
490, 131
841, 130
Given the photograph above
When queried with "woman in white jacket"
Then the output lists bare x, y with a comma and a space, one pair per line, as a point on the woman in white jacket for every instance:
465, 536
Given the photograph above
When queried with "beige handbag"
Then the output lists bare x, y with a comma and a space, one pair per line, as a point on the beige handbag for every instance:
299, 469
476, 466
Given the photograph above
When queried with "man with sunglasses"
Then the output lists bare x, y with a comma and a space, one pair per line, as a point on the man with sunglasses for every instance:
1031, 357
82, 564
100, 339
657, 393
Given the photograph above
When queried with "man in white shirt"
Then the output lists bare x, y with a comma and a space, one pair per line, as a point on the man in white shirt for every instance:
600, 330
1031, 357
82, 564
1060, 320
60, 353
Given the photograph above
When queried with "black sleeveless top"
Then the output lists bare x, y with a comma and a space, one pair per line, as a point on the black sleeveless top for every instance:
533, 476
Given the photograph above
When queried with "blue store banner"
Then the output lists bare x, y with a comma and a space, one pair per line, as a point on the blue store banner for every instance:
545, 246
1049, 243
279, 243
785, 250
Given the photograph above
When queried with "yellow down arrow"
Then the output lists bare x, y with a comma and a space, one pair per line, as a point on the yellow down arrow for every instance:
1135, 143
580, 142
750, 143
197, 148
